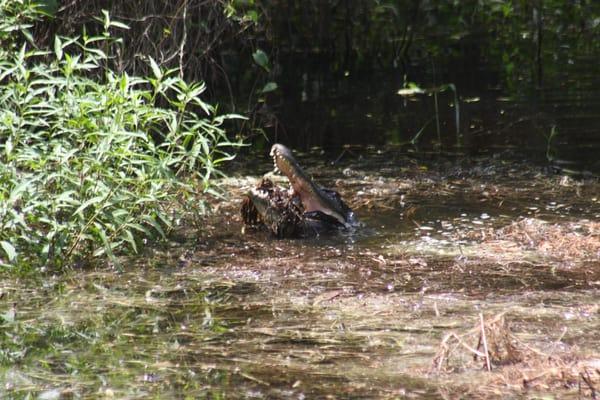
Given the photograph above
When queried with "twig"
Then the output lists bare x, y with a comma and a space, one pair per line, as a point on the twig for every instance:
254, 379
485, 348
183, 38
588, 381
337, 160
557, 342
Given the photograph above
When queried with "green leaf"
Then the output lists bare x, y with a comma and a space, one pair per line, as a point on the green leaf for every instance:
154, 224
269, 87
410, 90
251, 15
22, 51
155, 69
124, 82
261, 58
48, 7
128, 237
106, 20
9, 316
15, 194
58, 50
86, 204
9, 249
117, 24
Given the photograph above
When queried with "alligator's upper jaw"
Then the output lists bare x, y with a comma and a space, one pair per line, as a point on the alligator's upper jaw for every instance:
311, 196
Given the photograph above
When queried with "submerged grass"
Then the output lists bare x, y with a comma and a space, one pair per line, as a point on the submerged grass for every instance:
259, 326
226, 315
101, 336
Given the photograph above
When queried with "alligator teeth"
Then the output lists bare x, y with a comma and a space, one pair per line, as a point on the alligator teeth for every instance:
275, 167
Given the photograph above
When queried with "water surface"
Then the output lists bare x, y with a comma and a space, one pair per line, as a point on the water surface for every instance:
218, 313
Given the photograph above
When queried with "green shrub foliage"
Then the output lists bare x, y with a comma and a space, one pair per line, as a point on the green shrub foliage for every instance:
91, 167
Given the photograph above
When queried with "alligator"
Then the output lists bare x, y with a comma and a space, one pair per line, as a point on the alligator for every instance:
306, 209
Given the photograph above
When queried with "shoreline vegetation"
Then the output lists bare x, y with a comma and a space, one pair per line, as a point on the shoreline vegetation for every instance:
95, 162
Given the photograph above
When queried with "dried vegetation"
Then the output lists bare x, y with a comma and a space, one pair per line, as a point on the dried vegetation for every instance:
511, 363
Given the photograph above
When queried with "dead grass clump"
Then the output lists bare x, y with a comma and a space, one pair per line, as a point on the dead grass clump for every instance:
492, 347
575, 240
379, 193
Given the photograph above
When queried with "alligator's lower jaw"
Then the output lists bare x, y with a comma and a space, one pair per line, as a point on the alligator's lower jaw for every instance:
311, 205
311, 199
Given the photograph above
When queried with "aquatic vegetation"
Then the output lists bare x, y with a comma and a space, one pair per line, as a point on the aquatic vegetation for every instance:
100, 335
95, 162
223, 314
412, 89
491, 346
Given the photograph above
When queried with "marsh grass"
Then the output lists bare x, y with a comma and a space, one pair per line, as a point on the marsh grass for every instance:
93, 162
100, 335
491, 346
226, 315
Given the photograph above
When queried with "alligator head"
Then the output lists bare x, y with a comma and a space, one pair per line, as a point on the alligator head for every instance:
305, 210
314, 199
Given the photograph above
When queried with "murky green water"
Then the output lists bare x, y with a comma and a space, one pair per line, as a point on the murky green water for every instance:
502, 102
221, 314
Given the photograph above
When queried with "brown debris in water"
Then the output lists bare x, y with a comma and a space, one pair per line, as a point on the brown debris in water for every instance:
284, 217
574, 240
379, 193
491, 346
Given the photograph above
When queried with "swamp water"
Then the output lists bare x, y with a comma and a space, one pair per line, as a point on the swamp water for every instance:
221, 314
369, 314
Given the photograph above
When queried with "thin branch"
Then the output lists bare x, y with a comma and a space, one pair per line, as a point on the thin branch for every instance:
485, 347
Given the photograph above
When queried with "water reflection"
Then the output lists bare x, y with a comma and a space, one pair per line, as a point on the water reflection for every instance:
555, 123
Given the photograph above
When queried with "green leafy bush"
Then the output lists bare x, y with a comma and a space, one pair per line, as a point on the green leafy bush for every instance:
90, 166
16, 17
